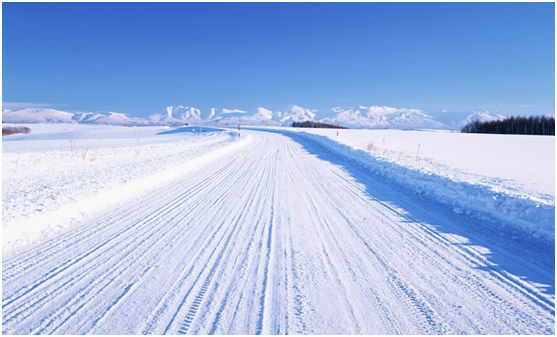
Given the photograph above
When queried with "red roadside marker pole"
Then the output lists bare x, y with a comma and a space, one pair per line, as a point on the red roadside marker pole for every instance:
239, 130
337, 129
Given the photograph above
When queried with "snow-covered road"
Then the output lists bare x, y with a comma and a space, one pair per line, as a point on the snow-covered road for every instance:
280, 237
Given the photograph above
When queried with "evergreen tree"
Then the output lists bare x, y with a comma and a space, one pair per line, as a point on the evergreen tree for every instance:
533, 125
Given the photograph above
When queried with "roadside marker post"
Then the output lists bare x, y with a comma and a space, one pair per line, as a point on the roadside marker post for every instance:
417, 154
239, 130
337, 128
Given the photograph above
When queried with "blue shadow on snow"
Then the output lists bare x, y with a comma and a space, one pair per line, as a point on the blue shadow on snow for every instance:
527, 258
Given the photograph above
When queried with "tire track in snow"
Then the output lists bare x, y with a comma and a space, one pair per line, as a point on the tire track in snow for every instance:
71, 238
390, 211
179, 284
132, 239
190, 314
271, 240
472, 283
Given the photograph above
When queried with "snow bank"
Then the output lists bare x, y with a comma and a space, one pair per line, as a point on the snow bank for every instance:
54, 183
514, 164
530, 215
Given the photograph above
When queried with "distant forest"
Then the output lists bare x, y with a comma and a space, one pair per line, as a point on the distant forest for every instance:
312, 124
12, 130
533, 125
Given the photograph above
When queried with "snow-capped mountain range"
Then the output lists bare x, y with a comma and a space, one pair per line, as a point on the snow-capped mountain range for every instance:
379, 117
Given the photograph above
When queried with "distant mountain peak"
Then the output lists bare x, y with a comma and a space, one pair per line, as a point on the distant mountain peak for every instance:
354, 117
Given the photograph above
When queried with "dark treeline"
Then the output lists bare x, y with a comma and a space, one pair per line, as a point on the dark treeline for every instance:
12, 130
533, 125
312, 124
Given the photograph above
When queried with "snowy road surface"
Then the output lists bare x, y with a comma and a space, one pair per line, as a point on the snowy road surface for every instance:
280, 237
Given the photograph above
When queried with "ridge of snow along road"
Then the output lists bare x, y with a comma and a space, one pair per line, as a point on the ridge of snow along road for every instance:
506, 207
37, 205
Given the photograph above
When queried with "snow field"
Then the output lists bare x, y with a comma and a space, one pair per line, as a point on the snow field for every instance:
69, 173
281, 237
465, 172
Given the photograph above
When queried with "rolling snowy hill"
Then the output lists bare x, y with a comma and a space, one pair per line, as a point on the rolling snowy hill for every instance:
375, 117
457, 119
37, 116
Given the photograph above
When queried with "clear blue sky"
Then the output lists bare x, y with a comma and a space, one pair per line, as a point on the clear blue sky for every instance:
140, 57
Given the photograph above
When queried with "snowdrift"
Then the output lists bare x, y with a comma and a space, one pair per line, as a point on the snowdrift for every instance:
522, 215
63, 173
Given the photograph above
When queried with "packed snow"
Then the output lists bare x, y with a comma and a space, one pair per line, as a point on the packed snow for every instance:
196, 230
507, 179
62, 173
